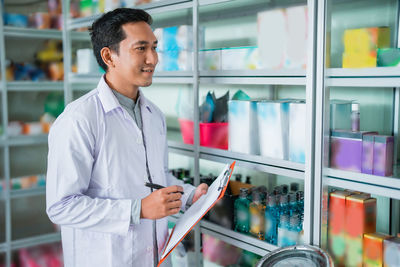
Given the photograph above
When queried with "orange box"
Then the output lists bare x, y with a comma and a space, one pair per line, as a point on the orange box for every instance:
360, 220
373, 249
336, 225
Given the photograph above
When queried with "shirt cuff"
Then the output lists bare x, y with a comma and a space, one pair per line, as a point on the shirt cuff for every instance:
135, 211
189, 202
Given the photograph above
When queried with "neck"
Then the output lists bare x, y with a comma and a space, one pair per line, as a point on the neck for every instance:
118, 85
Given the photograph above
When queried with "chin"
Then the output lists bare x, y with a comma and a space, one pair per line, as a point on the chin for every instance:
147, 83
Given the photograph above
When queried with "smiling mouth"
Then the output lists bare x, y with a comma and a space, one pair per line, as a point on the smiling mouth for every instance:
149, 71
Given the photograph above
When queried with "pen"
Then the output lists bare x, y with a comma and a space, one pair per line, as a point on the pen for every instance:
157, 186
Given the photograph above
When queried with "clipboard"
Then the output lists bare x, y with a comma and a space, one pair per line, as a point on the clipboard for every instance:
197, 211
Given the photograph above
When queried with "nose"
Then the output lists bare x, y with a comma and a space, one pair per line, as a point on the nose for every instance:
151, 57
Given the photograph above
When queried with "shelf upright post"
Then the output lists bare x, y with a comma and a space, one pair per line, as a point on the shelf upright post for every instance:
4, 105
195, 26
66, 38
395, 204
321, 119
310, 121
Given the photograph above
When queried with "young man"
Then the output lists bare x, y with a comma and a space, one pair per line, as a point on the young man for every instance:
103, 149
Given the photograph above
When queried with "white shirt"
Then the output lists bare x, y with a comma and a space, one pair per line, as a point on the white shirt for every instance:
96, 168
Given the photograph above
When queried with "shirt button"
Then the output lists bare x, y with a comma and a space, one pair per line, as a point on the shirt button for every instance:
149, 249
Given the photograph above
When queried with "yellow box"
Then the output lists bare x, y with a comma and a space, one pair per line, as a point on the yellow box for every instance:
365, 40
359, 60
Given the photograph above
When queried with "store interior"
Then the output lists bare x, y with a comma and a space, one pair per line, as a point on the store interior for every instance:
304, 95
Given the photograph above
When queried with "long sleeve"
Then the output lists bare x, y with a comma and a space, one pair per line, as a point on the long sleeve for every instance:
70, 162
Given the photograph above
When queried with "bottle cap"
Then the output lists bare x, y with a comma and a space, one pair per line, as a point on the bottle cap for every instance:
294, 187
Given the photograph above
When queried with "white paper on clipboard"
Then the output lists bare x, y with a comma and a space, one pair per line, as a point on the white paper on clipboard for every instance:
197, 210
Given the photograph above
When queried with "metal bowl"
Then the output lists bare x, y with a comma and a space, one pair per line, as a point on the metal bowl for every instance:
296, 256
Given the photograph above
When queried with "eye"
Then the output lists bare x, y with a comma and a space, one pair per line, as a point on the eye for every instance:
155, 48
141, 48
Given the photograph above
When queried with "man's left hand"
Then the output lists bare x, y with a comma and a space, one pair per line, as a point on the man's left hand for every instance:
200, 190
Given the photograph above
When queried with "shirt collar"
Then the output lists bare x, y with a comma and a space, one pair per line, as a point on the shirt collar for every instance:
110, 101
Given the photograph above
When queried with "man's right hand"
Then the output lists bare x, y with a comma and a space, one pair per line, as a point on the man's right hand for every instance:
161, 203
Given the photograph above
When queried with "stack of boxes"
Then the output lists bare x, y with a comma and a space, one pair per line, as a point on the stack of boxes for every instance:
352, 237
271, 128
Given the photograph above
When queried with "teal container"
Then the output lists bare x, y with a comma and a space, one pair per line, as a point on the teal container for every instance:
242, 215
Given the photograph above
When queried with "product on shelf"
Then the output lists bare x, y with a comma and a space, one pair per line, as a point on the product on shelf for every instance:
391, 252
40, 20
243, 127
257, 216
210, 59
355, 117
388, 57
26, 182
271, 223
360, 46
44, 255
346, 149
217, 251
336, 225
32, 128
86, 61
175, 47
383, 155
242, 215
340, 114
17, 20
273, 128
367, 154
240, 58
360, 220
373, 249
282, 37
297, 131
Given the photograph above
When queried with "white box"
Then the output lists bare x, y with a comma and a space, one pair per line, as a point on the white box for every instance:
86, 61
243, 127
297, 131
273, 128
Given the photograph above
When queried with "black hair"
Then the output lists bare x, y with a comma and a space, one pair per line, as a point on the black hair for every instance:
107, 30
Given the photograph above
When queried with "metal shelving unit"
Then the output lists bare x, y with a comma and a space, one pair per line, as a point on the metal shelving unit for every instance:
315, 79
239, 240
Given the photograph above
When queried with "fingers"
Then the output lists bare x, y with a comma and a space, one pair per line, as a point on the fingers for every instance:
173, 189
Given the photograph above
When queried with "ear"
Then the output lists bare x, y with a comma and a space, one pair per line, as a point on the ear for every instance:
108, 57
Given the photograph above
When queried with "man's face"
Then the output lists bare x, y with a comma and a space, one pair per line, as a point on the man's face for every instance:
137, 57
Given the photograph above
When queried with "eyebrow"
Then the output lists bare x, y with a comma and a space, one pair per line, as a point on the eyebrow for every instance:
144, 42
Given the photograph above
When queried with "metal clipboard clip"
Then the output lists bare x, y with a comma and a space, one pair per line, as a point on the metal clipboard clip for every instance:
223, 181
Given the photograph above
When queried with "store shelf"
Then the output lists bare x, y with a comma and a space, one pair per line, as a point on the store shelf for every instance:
31, 192
236, 239
180, 148
18, 32
263, 77
363, 72
385, 183
3, 248
35, 241
26, 140
152, 8
35, 86
264, 164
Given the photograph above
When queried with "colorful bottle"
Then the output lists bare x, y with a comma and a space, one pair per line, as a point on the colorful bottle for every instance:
294, 231
242, 215
293, 208
300, 203
285, 189
294, 187
257, 210
283, 228
271, 226
283, 205
263, 194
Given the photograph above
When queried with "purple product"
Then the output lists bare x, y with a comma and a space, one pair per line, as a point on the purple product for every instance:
367, 154
383, 155
346, 150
